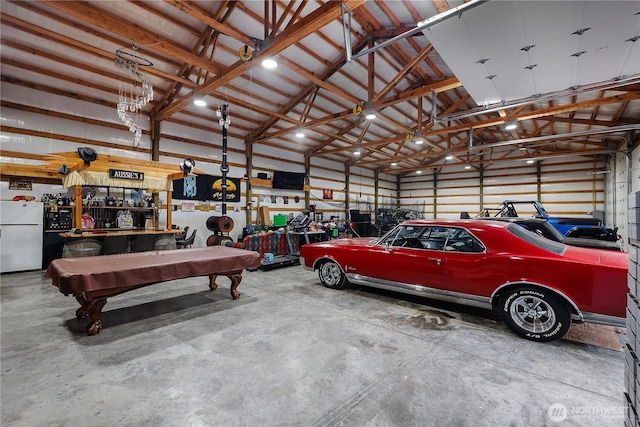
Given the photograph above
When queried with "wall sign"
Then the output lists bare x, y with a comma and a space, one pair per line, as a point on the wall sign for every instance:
188, 207
24, 184
120, 174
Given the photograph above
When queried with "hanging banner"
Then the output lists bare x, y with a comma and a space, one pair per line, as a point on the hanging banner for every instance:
205, 187
233, 189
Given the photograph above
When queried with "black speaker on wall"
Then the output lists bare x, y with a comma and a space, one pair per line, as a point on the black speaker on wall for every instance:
262, 175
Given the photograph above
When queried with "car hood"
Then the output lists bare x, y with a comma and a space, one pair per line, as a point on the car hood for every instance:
357, 242
598, 256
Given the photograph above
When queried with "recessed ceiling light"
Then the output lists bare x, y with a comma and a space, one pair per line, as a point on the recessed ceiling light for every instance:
356, 153
394, 164
300, 134
449, 157
418, 171
418, 141
200, 102
370, 116
530, 161
269, 63
467, 167
510, 126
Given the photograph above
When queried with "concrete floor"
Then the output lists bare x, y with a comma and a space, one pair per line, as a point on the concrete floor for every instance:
288, 353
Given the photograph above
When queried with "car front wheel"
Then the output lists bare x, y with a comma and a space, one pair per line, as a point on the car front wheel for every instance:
331, 275
535, 314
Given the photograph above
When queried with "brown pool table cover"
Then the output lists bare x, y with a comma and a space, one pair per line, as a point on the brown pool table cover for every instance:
86, 274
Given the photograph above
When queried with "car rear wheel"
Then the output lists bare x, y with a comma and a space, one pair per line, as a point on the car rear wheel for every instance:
331, 275
535, 314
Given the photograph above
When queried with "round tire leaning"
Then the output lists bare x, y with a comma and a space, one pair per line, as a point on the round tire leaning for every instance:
331, 275
535, 314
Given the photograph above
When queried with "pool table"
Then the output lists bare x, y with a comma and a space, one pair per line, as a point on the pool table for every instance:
91, 280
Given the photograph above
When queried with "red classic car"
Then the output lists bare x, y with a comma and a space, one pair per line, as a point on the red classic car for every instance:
537, 285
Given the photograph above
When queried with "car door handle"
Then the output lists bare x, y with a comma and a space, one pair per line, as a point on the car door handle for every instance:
438, 261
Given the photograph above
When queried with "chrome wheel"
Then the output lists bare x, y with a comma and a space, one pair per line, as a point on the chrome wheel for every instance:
331, 275
533, 314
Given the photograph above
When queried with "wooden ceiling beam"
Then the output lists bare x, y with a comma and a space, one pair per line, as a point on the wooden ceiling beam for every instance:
193, 10
301, 29
62, 76
551, 111
92, 15
495, 122
148, 7
206, 39
318, 81
82, 47
402, 74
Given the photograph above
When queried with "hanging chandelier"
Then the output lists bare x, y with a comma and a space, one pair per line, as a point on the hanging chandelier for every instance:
133, 97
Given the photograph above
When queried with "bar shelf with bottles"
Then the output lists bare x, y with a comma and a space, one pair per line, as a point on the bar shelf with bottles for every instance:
103, 214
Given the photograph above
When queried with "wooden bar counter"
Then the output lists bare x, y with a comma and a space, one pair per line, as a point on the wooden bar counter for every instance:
116, 232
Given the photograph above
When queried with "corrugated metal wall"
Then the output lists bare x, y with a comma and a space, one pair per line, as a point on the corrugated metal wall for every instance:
570, 186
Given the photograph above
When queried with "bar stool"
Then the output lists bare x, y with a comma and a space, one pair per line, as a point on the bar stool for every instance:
181, 244
144, 243
114, 245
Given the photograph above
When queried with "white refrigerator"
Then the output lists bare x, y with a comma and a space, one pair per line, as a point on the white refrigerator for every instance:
20, 236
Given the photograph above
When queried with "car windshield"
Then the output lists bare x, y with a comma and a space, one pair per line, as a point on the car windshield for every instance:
399, 232
534, 239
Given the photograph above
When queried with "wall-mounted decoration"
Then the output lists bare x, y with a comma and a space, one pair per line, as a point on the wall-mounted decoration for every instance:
285, 200
233, 189
327, 193
274, 199
22, 184
120, 174
188, 207
205, 187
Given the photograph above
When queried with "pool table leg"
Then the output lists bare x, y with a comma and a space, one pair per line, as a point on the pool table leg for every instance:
212, 282
235, 278
81, 313
93, 309
95, 313
235, 282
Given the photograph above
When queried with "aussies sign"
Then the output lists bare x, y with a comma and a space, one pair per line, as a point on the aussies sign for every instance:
116, 173
205, 187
